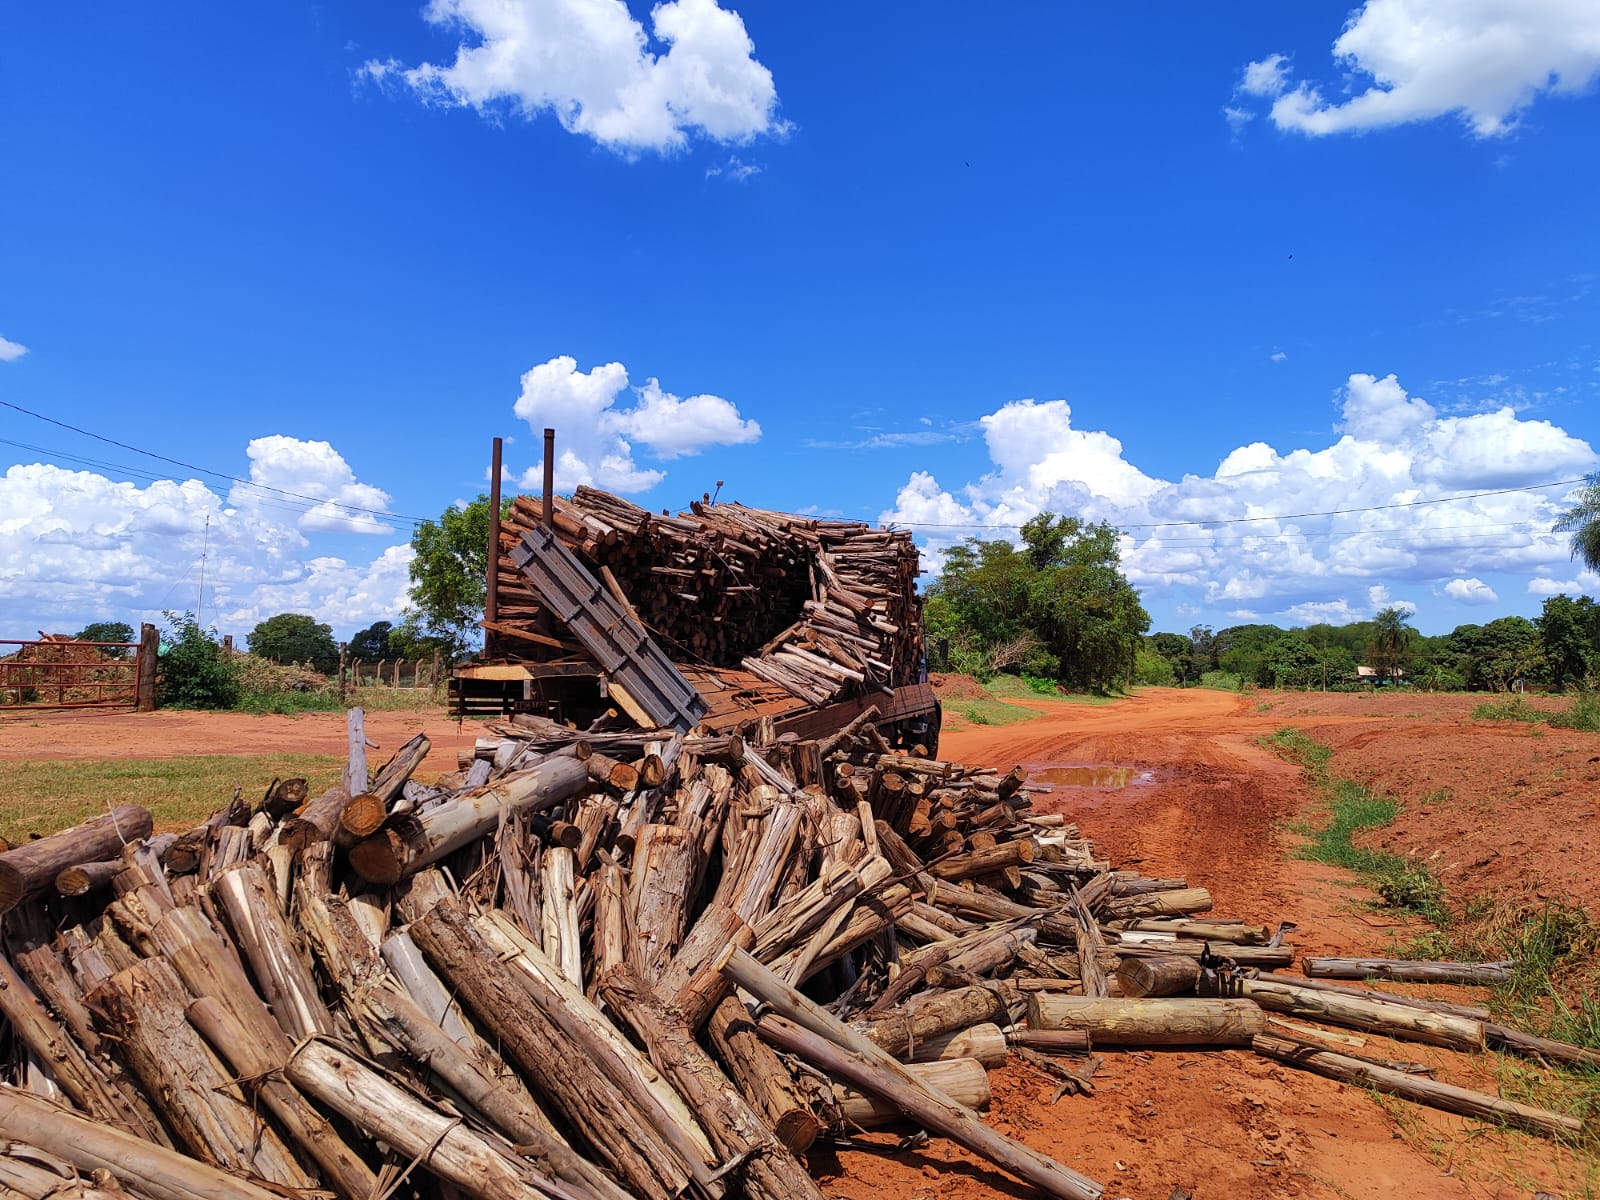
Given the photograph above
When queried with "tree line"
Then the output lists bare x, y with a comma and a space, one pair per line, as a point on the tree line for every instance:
1558, 649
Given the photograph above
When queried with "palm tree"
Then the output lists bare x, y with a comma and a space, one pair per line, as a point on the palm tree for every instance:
1390, 638
1582, 521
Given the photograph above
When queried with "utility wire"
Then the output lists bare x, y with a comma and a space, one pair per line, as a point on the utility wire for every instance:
314, 500
1332, 512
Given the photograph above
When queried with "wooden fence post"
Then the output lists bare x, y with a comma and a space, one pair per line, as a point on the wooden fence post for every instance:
344, 652
144, 685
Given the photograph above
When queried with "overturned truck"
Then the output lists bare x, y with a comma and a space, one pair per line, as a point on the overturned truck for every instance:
724, 616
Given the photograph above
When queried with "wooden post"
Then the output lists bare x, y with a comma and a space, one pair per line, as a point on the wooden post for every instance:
344, 655
548, 512
491, 590
355, 769
144, 688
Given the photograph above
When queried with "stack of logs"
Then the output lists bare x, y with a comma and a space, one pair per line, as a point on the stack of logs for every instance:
627, 964
819, 608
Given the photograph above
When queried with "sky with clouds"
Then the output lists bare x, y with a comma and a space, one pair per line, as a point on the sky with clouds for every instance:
1301, 298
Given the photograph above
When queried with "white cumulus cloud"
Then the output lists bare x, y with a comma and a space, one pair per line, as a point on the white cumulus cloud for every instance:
11, 351
1229, 540
592, 65
79, 546
595, 437
316, 471
1471, 591
1485, 61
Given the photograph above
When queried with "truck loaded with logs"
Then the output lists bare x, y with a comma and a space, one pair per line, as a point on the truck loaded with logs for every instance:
599, 614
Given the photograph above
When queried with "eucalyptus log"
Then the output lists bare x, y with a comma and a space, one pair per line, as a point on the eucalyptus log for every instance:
825, 1042
1472, 1012
1267, 957
761, 1076
509, 1109
257, 1066
1212, 931
1180, 1022
1179, 902
1375, 1016
737, 1132
157, 1172
392, 854
145, 1005
1158, 975
314, 821
1405, 970
1051, 1041
1448, 1097
30, 869
933, 1015
984, 1043
561, 1056
962, 1079
78, 1076
272, 948
440, 1142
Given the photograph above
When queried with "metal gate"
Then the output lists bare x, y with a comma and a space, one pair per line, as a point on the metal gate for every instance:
53, 673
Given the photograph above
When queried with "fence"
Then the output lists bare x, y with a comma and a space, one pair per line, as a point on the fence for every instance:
392, 672
59, 672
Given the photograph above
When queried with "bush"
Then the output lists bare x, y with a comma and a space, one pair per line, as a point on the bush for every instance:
1515, 708
1223, 681
1041, 685
1151, 670
1583, 714
195, 673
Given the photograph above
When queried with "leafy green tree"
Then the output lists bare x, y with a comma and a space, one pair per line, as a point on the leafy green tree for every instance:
1179, 653
1202, 651
1495, 656
295, 638
371, 643
1391, 637
1569, 634
193, 671
447, 578
1582, 521
1153, 669
1245, 650
107, 631
1056, 606
1292, 661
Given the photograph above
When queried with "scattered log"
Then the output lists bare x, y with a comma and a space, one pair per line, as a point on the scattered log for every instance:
30, 870
1403, 970
823, 1041
1375, 1016
963, 1080
1158, 975
91, 1146
1448, 1097
1180, 1022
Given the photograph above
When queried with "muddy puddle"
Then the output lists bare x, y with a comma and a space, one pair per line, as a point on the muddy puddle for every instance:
1100, 776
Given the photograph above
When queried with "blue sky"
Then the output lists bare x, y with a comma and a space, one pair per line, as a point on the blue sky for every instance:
1193, 271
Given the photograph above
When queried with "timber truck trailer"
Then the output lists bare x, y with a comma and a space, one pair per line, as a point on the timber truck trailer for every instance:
599, 614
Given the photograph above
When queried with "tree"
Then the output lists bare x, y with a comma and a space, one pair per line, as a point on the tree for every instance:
1057, 606
1569, 634
1582, 521
295, 638
447, 577
107, 631
194, 672
1292, 661
1495, 656
372, 643
1391, 637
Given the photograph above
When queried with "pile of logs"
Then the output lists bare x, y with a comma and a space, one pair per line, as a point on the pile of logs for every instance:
819, 608
624, 964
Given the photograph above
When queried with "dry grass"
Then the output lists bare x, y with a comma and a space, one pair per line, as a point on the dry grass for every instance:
41, 797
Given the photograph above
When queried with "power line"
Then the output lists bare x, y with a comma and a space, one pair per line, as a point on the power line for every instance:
1332, 512
314, 500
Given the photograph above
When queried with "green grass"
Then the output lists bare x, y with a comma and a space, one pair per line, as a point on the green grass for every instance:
41, 797
1513, 708
986, 712
1352, 807
1583, 714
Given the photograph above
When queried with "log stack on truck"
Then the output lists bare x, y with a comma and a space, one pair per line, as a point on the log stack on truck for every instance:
763, 616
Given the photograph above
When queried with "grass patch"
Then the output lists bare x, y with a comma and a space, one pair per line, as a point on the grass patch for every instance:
984, 712
1513, 708
42, 797
1352, 807
1582, 714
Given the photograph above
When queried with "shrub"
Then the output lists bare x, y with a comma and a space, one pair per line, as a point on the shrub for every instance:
1582, 714
1151, 670
195, 673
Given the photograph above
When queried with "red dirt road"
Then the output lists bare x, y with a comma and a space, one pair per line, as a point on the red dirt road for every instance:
1489, 805
1227, 1123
